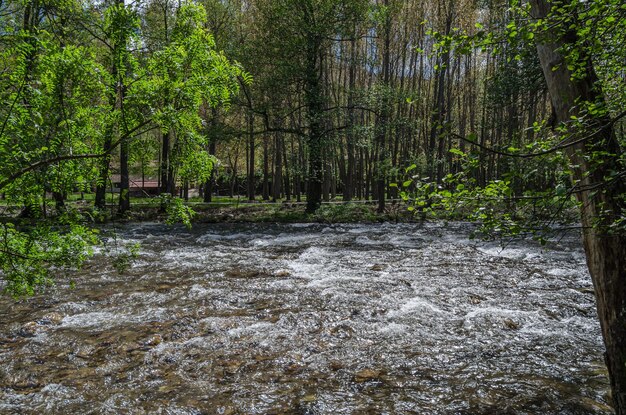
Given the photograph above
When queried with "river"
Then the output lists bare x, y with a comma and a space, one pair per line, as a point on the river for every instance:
311, 319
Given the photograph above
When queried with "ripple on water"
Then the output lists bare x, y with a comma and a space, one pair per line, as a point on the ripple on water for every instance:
312, 319
109, 319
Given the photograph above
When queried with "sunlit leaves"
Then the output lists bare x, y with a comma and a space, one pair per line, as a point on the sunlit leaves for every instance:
26, 257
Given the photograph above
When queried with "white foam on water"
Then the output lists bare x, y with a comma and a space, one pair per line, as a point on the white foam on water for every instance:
107, 319
256, 329
197, 291
417, 306
393, 329
511, 253
286, 239
218, 237
560, 272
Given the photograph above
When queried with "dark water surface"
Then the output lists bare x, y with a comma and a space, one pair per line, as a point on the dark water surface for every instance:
311, 319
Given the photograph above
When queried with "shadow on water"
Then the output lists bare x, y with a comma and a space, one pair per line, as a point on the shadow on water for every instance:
311, 319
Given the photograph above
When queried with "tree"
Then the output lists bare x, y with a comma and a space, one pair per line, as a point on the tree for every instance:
95, 109
596, 159
571, 39
299, 35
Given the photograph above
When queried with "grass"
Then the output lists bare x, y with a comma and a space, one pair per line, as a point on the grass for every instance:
230, 209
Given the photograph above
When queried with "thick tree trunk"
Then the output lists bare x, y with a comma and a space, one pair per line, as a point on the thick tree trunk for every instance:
315, 104
599, 195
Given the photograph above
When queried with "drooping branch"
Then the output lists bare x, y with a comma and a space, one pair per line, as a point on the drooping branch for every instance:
45, 162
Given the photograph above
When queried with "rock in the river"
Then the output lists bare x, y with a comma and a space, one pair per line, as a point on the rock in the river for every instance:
154, 340
53, 318
476, 299
335, 365
342, 331
245, 273
28, 330
510, 324
367, 375
378, 267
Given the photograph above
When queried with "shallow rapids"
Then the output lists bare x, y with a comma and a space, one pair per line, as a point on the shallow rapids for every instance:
311, 319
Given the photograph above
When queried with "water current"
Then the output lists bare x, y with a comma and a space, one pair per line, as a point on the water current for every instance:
311, 319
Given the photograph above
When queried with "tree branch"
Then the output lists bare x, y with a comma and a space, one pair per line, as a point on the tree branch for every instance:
564, 144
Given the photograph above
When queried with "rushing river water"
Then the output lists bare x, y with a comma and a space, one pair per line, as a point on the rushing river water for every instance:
311, 319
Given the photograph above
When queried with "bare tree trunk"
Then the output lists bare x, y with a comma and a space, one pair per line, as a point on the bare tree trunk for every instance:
124, 202
266, 170
278, 168
382, 120
251, 160
165, 157
208, 186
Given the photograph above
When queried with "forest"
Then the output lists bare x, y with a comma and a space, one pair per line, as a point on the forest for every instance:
505, 113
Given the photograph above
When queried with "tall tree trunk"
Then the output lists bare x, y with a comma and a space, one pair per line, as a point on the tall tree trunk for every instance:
165, 161
382, 120
598, 194
287, 181
251, 160
278, 168
124, 202
103, 176
266, 170
208, 186
314, 100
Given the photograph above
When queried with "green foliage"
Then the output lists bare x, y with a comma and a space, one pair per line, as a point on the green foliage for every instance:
594, 33
123, 259
31, 256
69, 100
495, 206
177, 211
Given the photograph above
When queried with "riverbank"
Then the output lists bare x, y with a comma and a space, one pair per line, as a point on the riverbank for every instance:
348, 212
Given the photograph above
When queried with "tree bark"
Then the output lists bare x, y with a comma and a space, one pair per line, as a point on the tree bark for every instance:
313, 97
208, 186
598, 194
124, 202
382, 120
278, 167
252, 150
163, 169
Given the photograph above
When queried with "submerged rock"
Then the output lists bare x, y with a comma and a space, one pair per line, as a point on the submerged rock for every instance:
246, 273
28, 330
367, 375
53, 318
510, 324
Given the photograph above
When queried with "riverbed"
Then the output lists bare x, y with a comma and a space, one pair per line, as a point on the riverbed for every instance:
311, 319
